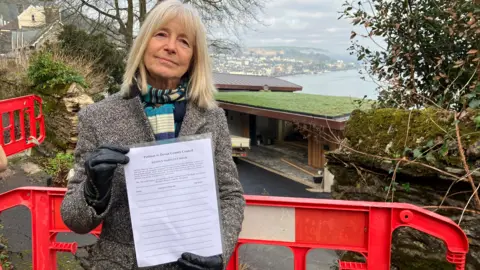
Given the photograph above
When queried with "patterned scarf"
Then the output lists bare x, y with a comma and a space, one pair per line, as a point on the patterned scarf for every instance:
160, 108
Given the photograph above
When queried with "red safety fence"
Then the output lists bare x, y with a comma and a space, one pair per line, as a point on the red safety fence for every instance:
15, 113
364, 227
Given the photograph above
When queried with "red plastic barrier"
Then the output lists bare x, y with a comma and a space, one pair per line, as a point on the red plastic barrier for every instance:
21, 106
363, 227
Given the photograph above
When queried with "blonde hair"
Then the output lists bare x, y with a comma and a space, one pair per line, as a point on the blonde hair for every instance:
201, 89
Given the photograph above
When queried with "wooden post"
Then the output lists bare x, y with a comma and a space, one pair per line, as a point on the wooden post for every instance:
280, 130
316, 155
252, 123
245, 119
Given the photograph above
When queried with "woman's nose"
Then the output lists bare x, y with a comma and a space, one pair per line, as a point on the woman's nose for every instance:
171, 45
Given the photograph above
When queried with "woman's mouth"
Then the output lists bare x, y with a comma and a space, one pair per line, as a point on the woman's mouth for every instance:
167, 61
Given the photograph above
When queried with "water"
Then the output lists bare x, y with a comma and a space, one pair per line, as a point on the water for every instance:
336, 83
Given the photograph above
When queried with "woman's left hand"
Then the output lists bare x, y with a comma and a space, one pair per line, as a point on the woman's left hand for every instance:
190, 261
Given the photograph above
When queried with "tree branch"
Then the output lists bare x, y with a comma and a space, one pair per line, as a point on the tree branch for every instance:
99, 10
475, 193
465, 164
450, 208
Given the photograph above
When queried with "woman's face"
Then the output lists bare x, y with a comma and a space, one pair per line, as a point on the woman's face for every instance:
169, 52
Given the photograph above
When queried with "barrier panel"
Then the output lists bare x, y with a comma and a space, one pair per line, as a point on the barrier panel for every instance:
299, 224
13, 111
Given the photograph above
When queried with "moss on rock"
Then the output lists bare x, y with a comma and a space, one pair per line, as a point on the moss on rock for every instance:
428, 135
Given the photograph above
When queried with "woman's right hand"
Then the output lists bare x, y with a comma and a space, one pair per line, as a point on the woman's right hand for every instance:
100, 167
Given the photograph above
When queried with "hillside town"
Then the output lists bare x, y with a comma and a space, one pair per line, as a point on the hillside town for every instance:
247, 162
276, 63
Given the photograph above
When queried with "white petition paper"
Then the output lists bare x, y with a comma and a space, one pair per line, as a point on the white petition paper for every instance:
173, 201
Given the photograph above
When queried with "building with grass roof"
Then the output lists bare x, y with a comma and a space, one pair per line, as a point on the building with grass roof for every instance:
272, 111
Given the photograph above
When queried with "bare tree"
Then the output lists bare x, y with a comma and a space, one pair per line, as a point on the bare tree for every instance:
120, 19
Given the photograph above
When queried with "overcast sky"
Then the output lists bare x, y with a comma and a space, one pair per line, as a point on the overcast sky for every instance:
303, 23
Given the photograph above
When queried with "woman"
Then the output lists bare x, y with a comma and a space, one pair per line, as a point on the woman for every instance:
3, 160
170, 52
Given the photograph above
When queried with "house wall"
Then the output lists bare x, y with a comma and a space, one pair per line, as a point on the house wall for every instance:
23, 37
284, 129
34, 38
50, 36
238, 123
5, 41
25, 18
267, 127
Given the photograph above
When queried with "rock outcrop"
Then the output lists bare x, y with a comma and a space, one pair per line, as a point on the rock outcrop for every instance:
364, 167
61, 118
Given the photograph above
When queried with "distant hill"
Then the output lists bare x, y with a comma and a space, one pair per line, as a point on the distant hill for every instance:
301, 53
318, 50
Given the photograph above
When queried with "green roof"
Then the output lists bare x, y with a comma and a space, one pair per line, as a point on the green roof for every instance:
327, 106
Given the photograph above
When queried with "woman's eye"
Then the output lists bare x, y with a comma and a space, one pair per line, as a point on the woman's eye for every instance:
185, 42
161, 34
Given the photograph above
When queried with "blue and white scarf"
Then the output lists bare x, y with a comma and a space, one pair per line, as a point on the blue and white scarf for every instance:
159, 105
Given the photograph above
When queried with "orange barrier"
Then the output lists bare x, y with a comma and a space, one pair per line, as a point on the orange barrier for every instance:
21, 106
302, 225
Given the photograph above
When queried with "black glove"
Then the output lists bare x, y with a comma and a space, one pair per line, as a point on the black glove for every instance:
100, 167
190, 261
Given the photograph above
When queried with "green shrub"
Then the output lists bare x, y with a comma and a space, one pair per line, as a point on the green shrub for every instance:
58, 167
106, 56
47, 74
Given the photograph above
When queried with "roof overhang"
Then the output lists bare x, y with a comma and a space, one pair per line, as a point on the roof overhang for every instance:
255, 88
242, 82
334, 124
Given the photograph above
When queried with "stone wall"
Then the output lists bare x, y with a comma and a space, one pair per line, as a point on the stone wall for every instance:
61, 118
363, 170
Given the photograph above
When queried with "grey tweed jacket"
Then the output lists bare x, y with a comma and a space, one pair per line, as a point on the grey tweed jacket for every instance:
122, 121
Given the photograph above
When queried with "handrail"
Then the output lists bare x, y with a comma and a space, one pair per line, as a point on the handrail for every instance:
21, 106
299, 224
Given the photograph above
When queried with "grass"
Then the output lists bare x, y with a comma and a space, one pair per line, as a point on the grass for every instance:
295, 102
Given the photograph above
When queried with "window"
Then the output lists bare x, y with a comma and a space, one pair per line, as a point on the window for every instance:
33, 18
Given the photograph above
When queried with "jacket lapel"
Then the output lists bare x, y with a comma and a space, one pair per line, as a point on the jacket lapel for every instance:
194, 119
139, 115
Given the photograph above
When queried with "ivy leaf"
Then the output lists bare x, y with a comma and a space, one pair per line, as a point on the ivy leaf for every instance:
474, 103
430, 143
477, 121
406, 187
444, 150
417, 153
471, 95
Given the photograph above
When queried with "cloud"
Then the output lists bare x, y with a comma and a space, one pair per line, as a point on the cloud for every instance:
304, 23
